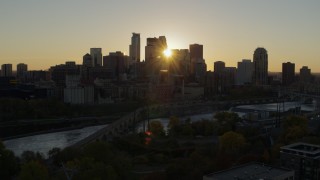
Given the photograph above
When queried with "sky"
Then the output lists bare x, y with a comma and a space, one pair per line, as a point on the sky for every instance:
44, 33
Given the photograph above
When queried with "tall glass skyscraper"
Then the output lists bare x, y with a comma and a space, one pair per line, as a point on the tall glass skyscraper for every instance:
260, 63
134, 48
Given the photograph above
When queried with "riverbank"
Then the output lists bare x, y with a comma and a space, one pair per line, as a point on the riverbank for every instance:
52, 131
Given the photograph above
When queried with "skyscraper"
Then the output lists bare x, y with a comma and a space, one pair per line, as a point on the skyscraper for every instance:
134, 48
305, 74
260, 63
288, 73
21, 70
196, 51
154, 48
218, 66
244, 72
196, 56
6, 70
96, 55
87, 60
154, 55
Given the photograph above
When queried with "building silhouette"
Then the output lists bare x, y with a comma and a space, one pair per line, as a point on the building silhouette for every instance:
196, 53
87, 60
22, 69
288, 73
134, 48
305, 74
6, 70
116, 62
154, 57
96, 55
244, 72
218, 66
260, 63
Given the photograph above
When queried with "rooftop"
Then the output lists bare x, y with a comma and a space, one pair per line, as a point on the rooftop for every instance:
249, 171
301, 148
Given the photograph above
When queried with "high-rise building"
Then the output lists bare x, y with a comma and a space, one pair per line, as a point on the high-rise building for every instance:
87, 60
154, 55
260, 63
244, 72
196, 56
116, 62
134, 48
219, 66
288, 73
196, 51
154, 48
96, 55
21, 70
305, 74
6, 70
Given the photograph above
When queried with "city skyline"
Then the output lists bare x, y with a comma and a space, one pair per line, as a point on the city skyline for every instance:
43, 34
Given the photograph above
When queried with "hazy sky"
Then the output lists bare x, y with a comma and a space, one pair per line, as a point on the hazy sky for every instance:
42, 33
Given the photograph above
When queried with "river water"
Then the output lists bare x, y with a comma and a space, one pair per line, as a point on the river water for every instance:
44, 142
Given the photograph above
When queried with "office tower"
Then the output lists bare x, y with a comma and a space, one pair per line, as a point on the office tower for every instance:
6, 70
116, 63
134, 48
196, 56
96, 55
154, 48
260, 63
180, 62
244, 72
196, 51
218, 66
59, 72
305, 74
288, 73
21, 70
154, 57
87, 60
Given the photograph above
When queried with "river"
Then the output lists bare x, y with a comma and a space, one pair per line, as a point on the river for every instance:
44, 142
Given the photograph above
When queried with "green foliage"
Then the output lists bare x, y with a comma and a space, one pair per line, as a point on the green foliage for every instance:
28, 156
88, 168
291, 121
231, 142
295, 127
33, 170
13, 109
8, 163
173, 121
226, 121
157, 128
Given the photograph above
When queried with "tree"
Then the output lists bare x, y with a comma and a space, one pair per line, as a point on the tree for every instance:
295, 127
8, 163
231, 142
226, 121
33, 170
291, 121
173, 121
157, 128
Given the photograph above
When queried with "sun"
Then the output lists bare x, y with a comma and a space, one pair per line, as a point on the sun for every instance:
167, 52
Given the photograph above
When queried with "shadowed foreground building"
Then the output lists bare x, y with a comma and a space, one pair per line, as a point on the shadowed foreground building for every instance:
303, 158
252, 171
